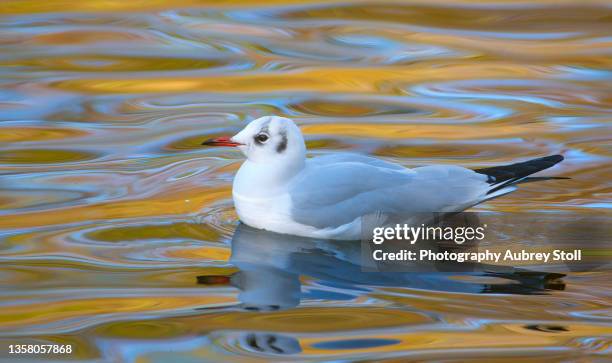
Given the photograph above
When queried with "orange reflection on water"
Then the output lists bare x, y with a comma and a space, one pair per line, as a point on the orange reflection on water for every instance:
116, 222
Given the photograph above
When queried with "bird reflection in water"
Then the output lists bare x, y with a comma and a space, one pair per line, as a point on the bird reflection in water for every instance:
271, 265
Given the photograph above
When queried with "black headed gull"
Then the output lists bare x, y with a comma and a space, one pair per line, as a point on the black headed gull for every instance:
278, 189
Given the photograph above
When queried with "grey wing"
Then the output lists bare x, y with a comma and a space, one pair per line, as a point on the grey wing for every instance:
331, 195
334, 194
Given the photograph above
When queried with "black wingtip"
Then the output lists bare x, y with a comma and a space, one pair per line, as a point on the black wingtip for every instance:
554, 158
505, 175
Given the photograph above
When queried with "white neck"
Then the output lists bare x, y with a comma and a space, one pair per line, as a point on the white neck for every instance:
260, 179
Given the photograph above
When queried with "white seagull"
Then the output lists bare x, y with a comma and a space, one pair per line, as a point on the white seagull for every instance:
280, 190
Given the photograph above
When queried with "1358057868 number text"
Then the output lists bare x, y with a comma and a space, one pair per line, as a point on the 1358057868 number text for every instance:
40, 349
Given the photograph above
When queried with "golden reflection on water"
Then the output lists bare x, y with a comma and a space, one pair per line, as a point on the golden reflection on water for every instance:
116, 223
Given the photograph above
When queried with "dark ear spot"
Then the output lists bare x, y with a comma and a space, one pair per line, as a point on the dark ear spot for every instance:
282, 145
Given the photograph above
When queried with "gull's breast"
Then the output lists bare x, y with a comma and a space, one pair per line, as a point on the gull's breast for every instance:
263, 212
274, 214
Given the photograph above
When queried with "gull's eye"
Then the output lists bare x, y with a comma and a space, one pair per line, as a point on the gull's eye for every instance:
261, 138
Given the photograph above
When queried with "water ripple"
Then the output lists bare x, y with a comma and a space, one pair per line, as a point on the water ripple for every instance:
116, 223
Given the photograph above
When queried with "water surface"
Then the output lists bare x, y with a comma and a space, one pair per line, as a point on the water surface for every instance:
117, 226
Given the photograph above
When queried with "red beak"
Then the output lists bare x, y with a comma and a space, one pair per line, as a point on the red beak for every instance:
221, 141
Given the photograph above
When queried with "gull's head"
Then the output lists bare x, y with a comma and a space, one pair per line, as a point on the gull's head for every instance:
268, 139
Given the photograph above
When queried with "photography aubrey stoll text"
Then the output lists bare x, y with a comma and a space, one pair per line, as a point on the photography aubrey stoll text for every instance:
485, 256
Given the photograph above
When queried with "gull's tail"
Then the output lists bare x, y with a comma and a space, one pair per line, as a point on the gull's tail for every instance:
507, 175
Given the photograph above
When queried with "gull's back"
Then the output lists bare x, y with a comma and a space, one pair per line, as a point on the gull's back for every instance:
337, 190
